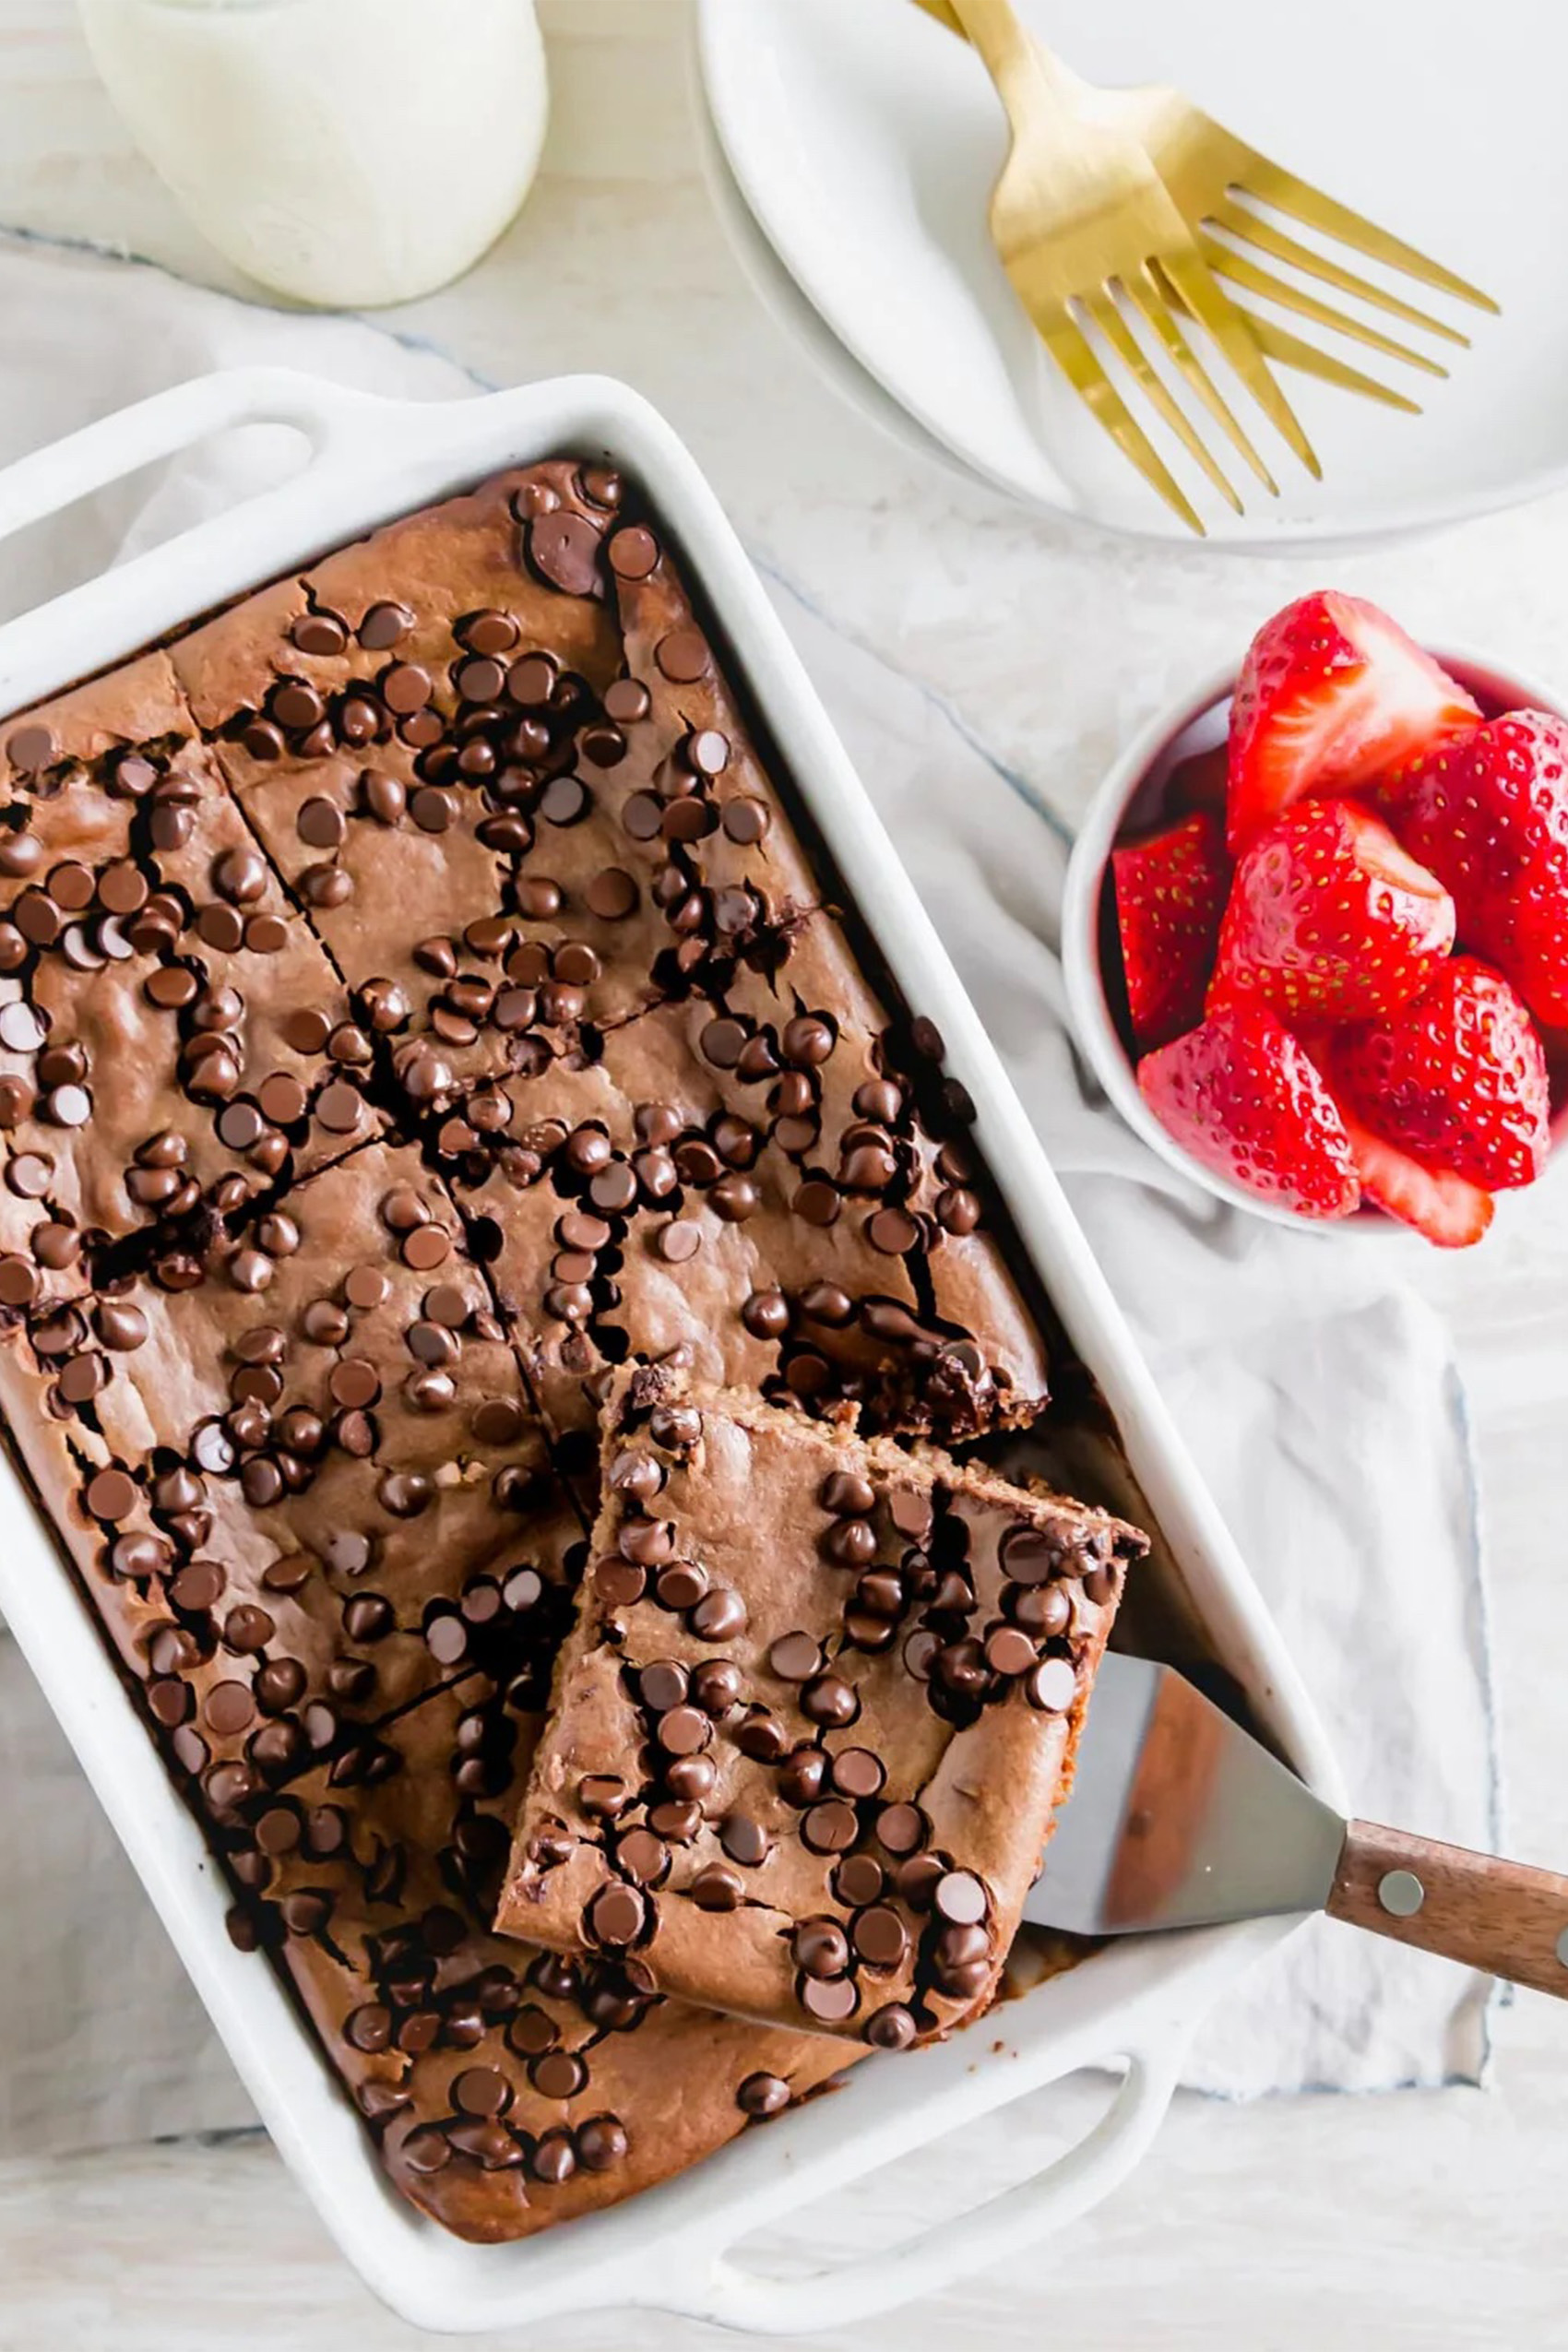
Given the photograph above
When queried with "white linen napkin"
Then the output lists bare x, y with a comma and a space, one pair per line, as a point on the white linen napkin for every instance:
1320, 1397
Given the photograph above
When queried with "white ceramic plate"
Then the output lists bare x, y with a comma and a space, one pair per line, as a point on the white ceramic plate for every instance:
790, 310
866, 140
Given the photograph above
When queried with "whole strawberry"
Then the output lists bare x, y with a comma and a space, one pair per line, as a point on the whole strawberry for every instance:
1241, 1095
1488, 815
1458, 1080
1329, 918
1332, 694
1170, 896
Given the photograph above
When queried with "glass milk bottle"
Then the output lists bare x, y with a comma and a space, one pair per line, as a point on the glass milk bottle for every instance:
344, 152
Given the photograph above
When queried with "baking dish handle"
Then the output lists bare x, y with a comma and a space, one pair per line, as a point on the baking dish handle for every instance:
712, 2285
331, 416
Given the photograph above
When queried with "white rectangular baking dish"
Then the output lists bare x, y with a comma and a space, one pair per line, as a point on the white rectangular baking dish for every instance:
1136, 2003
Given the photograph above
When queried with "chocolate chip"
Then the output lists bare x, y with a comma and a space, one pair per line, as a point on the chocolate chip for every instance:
632, 552
425, 1248
684, 1731
859, 1880
857, 1772
482, 680
960, 1898
564, 548
643, 817
901, 1829
321, 823
1008, 1651
716, 1888
744, 1840
110, 1495
531, 683
663, 1686
852, 1543
406, 687
683, 1586
821, 1948
383, 626
435, 810
745, 820
240, 875
762, 2095
30, 748
880, 1939
795, 1657
19, 1284
221, 927
893, 1231
319, 633
1053, 1686
339, 1109
489, 632
38, 919
830, 1828
1030, 1555
120, 1325
22, 1029
766, 1314
834, 2002
830, 1701
229, 1709
683, 655
602, 2143
817, 1202
891, 2028
564, 800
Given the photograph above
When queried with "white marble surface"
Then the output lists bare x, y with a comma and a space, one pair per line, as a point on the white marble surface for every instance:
1420, 2221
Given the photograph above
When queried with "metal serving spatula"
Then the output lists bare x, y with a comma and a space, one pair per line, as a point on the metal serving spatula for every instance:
1179, 1819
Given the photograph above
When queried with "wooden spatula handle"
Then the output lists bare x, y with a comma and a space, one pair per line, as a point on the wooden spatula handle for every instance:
1504, 1917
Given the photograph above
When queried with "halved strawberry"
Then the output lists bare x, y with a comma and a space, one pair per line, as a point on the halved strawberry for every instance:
1243, 1097
1488, 815
1458, 1080
1332, 693
1329, 918
1447, 1208
1170, 896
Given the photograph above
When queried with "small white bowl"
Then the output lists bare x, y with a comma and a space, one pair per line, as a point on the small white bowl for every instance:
1131, 801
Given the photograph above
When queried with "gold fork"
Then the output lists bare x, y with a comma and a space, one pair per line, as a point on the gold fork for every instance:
1073, 144
1090, 235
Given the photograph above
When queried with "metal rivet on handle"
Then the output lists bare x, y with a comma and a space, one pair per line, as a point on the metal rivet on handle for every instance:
1402, 1894
1562, 1947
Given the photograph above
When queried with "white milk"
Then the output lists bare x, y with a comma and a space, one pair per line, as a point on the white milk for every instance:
345, 153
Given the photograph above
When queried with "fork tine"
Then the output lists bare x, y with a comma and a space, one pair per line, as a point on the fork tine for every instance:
1263, 282
1145, 290
1208, 301
1276, 343
1068, 347
1102, 309
1254, 229
1268, 182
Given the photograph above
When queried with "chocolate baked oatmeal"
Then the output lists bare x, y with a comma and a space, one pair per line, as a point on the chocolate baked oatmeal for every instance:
421, 1002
